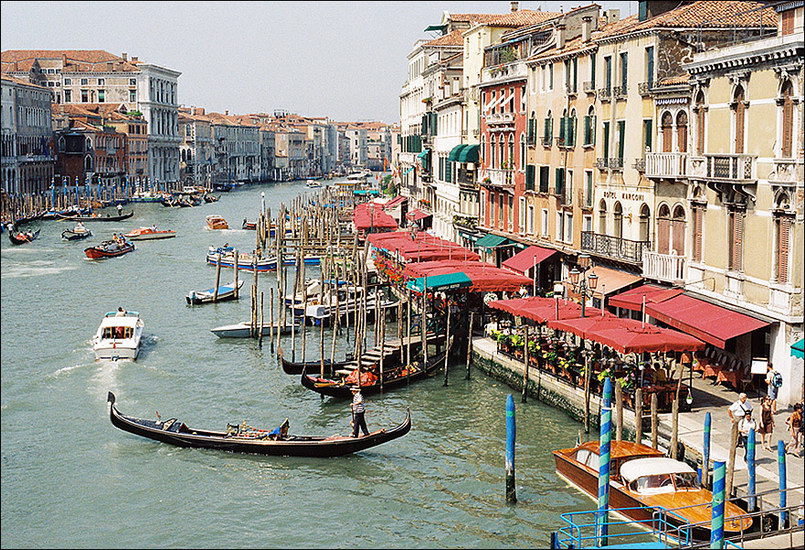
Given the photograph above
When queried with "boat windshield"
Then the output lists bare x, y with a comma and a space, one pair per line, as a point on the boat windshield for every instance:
686, 482
117, 332
653, 484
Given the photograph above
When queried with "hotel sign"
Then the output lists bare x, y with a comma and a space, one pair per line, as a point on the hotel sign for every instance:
639, 197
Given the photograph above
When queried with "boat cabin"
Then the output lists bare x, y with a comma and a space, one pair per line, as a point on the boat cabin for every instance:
621, 452
651, 476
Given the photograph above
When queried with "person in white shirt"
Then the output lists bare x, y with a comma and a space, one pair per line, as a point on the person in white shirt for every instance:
744, 426
739, 409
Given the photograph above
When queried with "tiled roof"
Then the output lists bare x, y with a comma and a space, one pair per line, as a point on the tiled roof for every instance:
522, 18
451, 39
77, 60
474, 17
673, 80
21, 81
575, 45
704, 14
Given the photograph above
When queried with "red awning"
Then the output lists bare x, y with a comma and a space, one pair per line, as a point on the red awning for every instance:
393, 203
485, 277
416, 215
369, 216
633, 299
628, 335
420, 247
528, 258
709, 322
543, 310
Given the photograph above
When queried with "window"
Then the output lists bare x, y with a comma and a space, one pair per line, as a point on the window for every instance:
68, 96
624, 71
647, 134
617, 218
101, 81
608, 72
550, 76
677, 231
602, 217
529, 177
84, 96
568, 227
787, 21
697, 231
523, 97
68, 81
587, 223
84, 81
788, 119
782, 229
560, 226
588, 188
548, 128
682, 131
739, 117
132, 81
621, 137
545, 222
592, 70
560, 181
522, 152
101, 96
650, 66
132, 96
735, 222
605, 131
589, 127
544, 176
530, 219
521, 215
511, 212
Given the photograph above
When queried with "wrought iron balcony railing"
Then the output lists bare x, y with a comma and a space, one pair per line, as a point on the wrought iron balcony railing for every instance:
588, 86
734, 168
615, 248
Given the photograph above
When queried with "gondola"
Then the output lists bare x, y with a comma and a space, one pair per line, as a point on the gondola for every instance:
244, 439
21, 237
393, 378
71, 235
106, 218
298, 367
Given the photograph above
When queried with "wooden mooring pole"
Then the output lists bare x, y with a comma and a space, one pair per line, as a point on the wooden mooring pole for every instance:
654, 420
638, 415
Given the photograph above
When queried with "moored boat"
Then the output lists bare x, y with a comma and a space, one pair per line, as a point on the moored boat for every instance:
108, 249
248, 225
245, 439
643, 481
149, 233
77, 233
97, 217
216, 222
147, 196
118, 336
243, 330
225, 292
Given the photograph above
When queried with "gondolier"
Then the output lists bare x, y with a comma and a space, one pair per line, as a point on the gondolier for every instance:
358, 412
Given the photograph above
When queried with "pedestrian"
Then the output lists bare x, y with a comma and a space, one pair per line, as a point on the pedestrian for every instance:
744, 426
773, 382
358, 411
739, 409
794, 423
766, 423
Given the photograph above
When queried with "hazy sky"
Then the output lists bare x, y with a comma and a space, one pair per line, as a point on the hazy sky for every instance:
345, 60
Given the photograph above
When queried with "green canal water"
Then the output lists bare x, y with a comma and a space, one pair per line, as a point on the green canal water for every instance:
70, 479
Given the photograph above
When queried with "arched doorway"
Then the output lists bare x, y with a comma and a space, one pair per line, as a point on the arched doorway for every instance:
667, 123
618, 220
602, 217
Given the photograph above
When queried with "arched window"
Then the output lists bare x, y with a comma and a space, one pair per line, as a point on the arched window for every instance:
502, 151
62, 144
547, 134
522, 151
682, 131
788, 120
88, 144
700, 112
511, 151
645, 216
532, 128
617, 218
678, 231
602, 217
739, 110
783, 222
492, 151
88, 163
667, 123
483, 148
664, 229
571, 128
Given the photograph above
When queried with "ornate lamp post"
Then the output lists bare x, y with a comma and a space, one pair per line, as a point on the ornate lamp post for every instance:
587, 284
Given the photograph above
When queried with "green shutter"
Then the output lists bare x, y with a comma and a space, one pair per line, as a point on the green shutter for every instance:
621, 137
649, 135
587, 129
575, 73
562, 130
650, 66
529, 177
546, 132
606, 140
624, 70
544, 176
560, 181
592, 129
592, 68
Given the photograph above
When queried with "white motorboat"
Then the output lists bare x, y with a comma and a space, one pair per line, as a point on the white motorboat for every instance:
118, 336
243, 330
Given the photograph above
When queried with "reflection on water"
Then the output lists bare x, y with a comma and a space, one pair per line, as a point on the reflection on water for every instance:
69, 476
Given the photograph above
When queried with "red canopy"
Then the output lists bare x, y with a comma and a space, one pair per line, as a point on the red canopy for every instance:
485, 277
395, 202
542, 310
420, 246
628, 335
371, 216
633, 299
528, 258
417, 215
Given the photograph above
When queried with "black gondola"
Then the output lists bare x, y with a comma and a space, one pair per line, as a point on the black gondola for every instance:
21, 237
249, 440
106, 218
298, 367
71, 235
393, 378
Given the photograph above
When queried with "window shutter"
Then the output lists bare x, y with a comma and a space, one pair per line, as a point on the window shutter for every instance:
679, 236
698, 214
783, 237
546, 130
621, 137
737, 240
788, 130
544, 176
560, 181
606, 140
562, 130
663, 236
587, 130
649, 134
529, 177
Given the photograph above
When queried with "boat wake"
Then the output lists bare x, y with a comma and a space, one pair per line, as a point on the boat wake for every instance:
35, 269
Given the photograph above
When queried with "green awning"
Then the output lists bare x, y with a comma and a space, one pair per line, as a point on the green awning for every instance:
493, 241
798, 349
448, 281
441, 28
456, 151
469, 154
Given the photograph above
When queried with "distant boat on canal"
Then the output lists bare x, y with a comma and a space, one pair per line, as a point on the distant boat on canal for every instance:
215, 222
225, 293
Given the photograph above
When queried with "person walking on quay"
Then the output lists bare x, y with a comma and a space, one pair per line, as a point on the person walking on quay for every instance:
794, 423
739, 409
773, 380
746, 424
766, 423
358, 412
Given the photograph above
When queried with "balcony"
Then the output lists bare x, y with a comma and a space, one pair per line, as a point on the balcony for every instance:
666, 165
741, 169
639, 165
615, 248
499, 118
588, 86
787, 172
619, 92
605, 94
615, 163
570, 91
501, 177
644, 88
465, 222
668, 268
601, 164
466, 179
546, 141
584, 201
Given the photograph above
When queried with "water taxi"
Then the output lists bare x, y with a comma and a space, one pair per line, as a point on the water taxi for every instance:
149, 233
118, 336
643, 481
215, 222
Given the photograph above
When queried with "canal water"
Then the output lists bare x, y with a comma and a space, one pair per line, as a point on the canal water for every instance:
70, 479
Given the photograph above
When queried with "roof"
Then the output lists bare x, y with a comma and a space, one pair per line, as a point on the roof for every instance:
22, 82
416, 215
522, 18
542, 310
528, 258
473, 17
76, 60
128, 321
371, 216
485, 277
419, 246
639, 467
673, 80
395, 202
612, 280
451, 39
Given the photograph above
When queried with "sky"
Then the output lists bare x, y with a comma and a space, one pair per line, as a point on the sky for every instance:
344, 60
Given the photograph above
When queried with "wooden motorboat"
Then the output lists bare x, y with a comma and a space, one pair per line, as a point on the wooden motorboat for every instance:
393, 377
215, 222
246, 261
225, 292
243, 330
21, 237
97, 217
149, 233
108, 249
76, 234
248, 225
643, 480
118, 336
245, 439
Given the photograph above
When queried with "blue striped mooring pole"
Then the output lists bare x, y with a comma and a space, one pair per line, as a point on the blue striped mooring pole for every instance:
719, 492
605, 440
706, 450
750, 464
511, 437
783, 482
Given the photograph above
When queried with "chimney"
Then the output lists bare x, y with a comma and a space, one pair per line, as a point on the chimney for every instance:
612, 15
560, 35
226, 112
125, 56
515, 6
586, 23
134, 59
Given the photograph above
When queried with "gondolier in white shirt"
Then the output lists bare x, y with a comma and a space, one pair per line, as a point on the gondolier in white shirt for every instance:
358, 411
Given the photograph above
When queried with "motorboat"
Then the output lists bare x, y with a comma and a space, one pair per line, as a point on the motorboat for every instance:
244, 329
642, 482
225, 292
149, 233
247, 260
312, 183
109, 249
248, 225
215, 222
147, 196
118, 336
76, 233
350, 298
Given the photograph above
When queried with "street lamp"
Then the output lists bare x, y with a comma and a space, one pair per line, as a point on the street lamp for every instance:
587, 284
